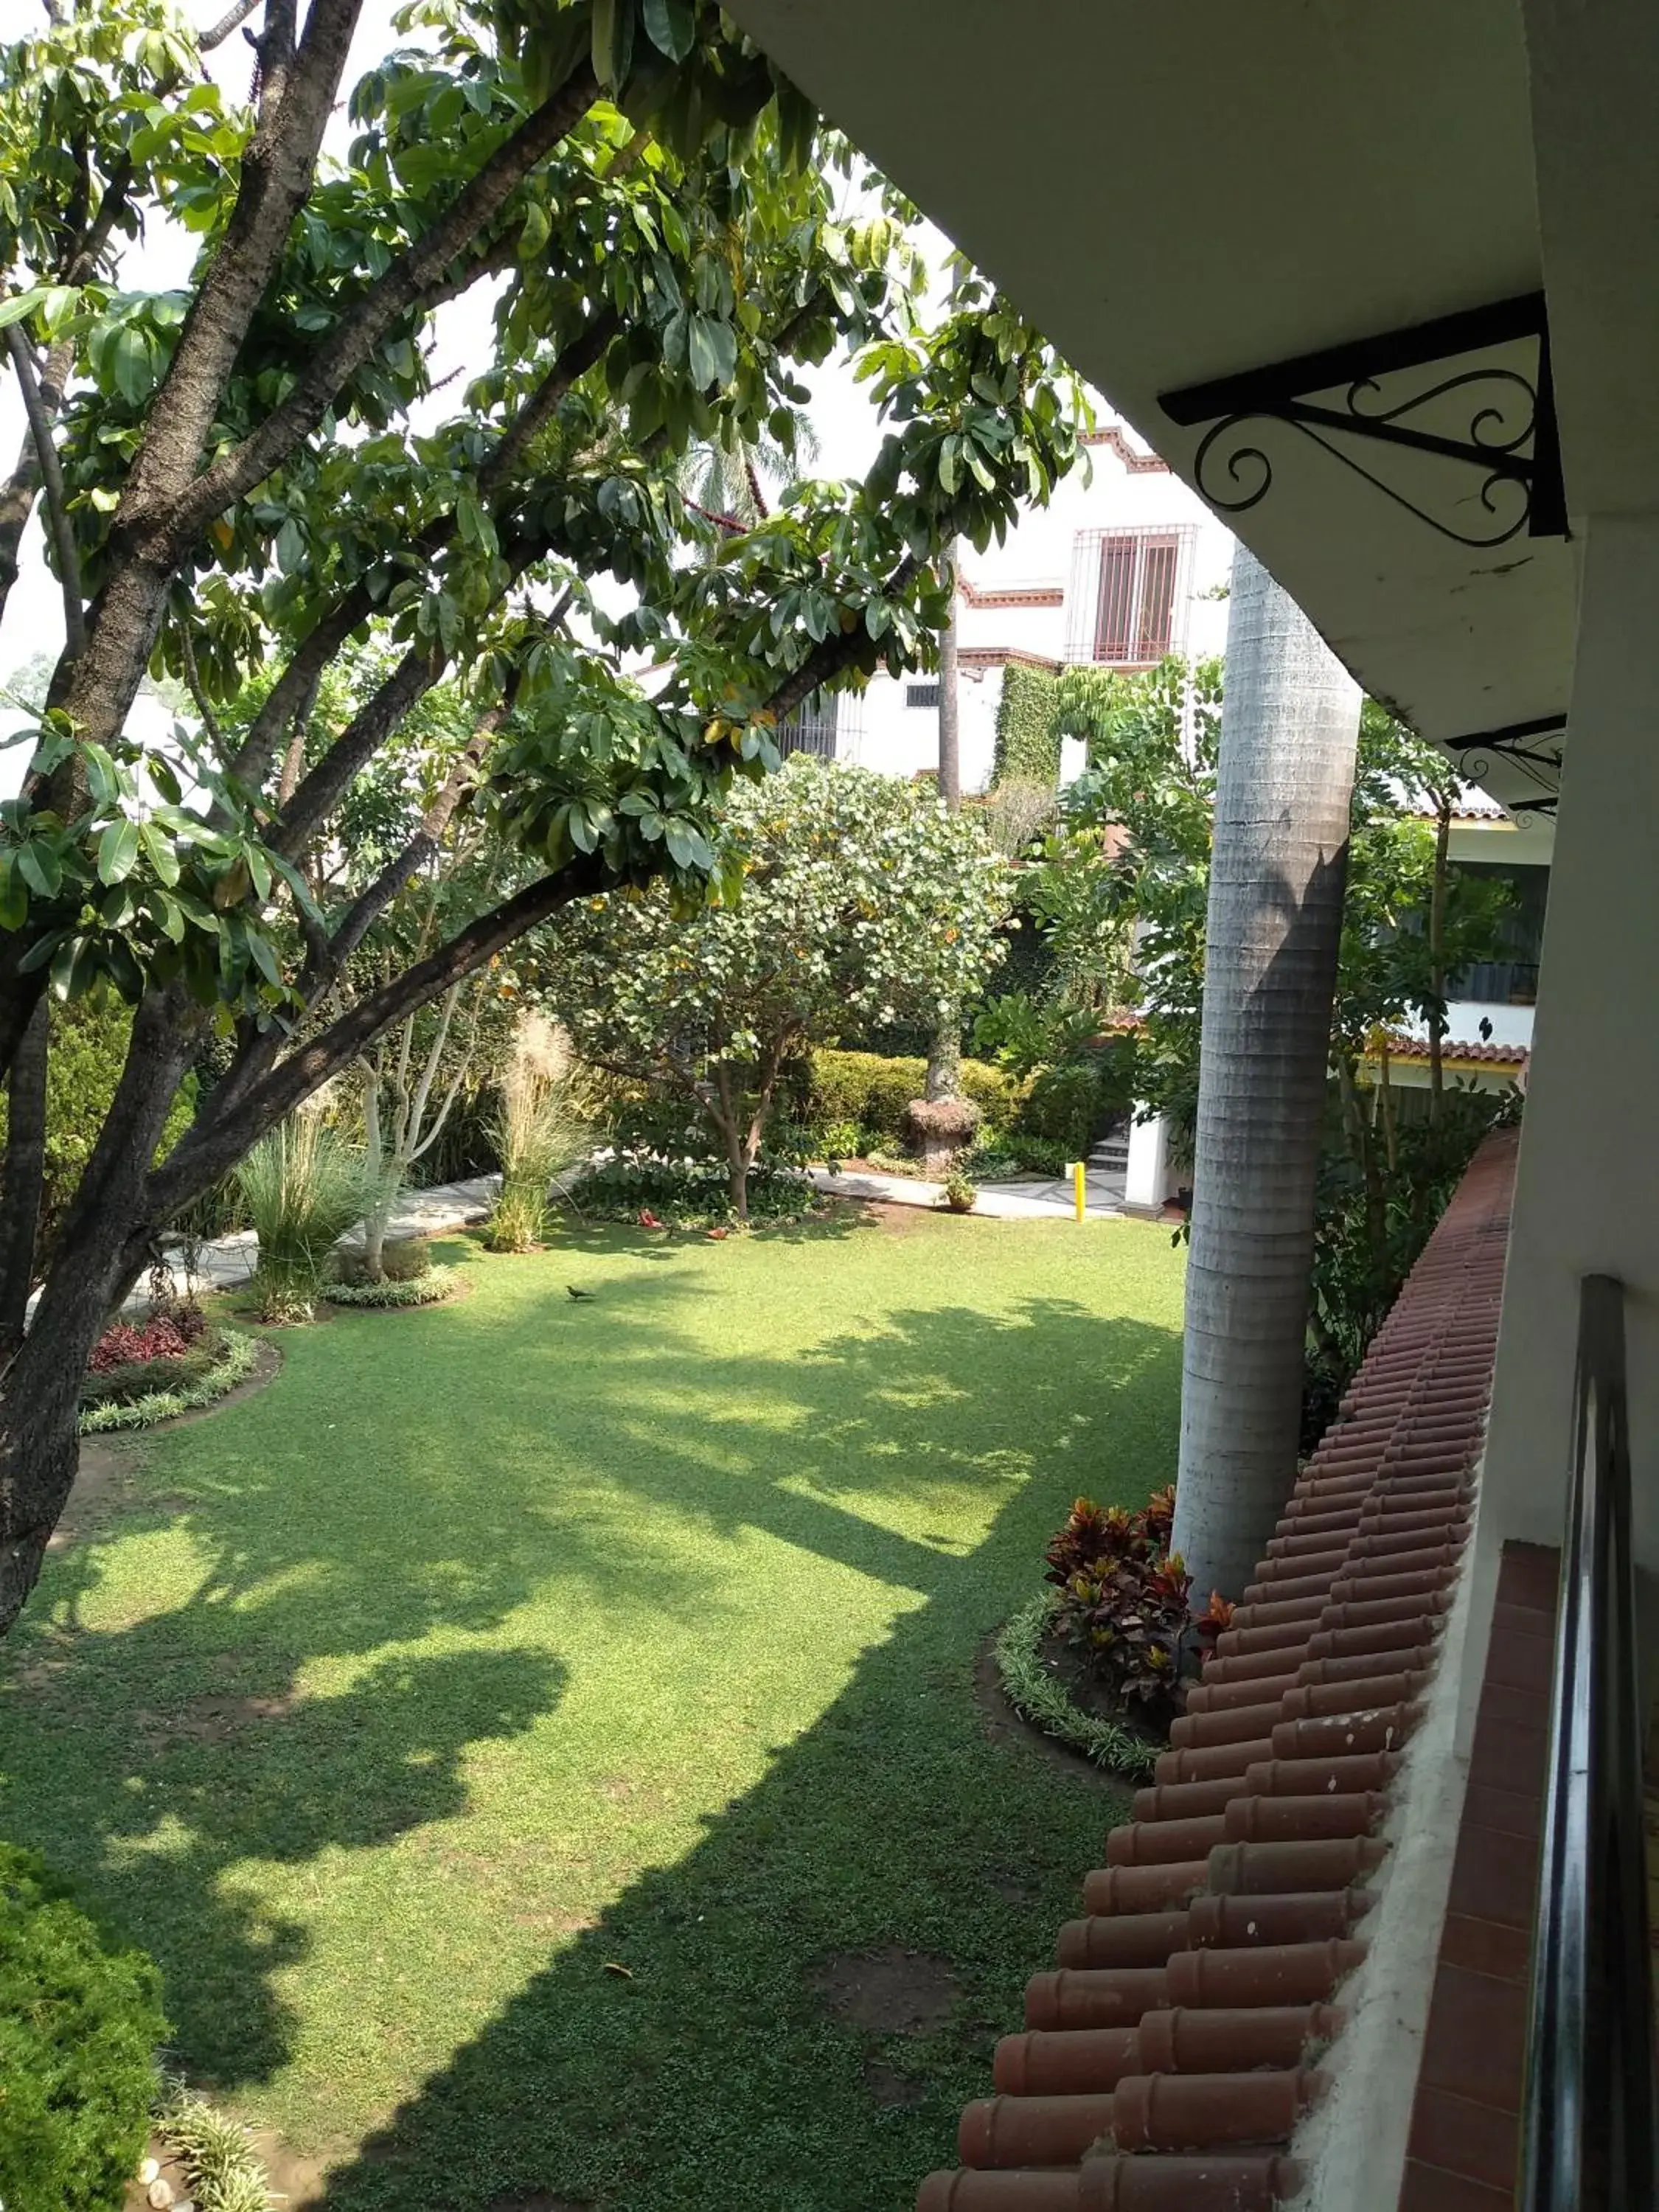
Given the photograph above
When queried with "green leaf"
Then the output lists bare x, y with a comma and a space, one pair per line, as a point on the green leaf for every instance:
42, 869
132, 364
163, 860
672, 26
613, 41
22, 304
263, 958
13, 898
538, 229
117, 851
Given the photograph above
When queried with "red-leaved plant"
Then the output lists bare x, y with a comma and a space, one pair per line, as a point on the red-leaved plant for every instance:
1124, 1602
163, 1336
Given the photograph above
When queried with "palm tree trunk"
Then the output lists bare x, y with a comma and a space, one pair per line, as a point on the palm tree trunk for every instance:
1290, 726
945, 1060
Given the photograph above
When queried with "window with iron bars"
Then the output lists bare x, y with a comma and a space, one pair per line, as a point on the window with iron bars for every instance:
1126, 596
921, 695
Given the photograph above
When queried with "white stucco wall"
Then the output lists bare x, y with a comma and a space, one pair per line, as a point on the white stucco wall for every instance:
1042, 552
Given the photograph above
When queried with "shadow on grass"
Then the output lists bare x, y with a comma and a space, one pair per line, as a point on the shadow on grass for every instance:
344, 1512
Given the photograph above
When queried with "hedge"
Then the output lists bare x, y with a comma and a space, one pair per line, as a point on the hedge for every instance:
81, 2022
876, 1092
1028, 735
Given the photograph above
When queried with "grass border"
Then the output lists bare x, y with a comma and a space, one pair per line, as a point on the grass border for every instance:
237, 1364
430, 1289
1037, 1697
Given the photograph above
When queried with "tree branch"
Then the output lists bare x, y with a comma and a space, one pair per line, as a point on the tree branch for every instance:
216, 1143
232, 21
193, 685
299, 680
52, 481
297, 97
360, 329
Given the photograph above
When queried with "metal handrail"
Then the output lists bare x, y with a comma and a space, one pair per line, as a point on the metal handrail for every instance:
1589, 2140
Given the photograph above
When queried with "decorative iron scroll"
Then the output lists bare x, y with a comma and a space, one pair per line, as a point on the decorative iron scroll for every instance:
1510, 445
1477, 756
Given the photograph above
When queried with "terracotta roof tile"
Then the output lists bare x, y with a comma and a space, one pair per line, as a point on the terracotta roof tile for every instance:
1165, 2064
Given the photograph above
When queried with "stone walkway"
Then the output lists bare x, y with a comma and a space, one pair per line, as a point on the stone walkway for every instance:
230, 1260
1033, 1198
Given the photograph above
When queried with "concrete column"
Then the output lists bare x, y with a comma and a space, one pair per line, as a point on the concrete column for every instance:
1144, 1181
1588, 1194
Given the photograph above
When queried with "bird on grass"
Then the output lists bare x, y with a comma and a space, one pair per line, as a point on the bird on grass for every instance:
571, 1291
647, 1219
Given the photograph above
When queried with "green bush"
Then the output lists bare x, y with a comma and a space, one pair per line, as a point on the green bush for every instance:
81, 2020
876, 1093
88, 1048
689, 1194
429, 1289
1028, 733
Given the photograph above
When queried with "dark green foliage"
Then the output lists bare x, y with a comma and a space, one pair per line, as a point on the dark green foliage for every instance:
1375, 1211
1027, 733
876, 1093
689, 1195
1067, 1105
80, 2023
1123, 1603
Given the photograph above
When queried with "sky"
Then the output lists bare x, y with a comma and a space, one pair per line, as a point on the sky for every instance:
842, 416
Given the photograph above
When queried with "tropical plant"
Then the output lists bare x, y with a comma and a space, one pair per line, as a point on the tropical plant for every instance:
960, 1192
541, 1135
848, 895
230, 478
303, 1186
81, 2022
1122, 1603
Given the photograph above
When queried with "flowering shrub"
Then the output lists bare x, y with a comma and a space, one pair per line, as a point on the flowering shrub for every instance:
163, 1336
1123, 1603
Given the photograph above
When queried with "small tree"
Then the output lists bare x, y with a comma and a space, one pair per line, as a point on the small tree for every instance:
845, 897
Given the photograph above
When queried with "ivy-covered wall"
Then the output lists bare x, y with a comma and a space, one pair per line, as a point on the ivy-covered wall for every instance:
1028, 737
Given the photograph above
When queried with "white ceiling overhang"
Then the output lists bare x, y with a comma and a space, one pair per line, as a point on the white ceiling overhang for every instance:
1197, 193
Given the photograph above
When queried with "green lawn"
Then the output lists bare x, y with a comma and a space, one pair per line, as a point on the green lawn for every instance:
495, 1647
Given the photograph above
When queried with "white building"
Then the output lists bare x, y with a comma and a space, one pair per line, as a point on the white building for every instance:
1125, 565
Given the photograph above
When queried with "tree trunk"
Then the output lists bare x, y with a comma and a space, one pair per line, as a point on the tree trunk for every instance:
1290, 727
374, 1221
945, 1060
1438, 957
26, 1161
96, 1258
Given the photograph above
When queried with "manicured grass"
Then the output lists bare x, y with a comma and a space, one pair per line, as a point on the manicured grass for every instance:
497, 1647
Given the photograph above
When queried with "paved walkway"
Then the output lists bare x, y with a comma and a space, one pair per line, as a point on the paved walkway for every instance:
1033, 1198
230, 1260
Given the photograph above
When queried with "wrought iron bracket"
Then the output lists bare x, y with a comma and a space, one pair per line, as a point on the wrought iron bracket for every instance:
1511, 442
1542, 765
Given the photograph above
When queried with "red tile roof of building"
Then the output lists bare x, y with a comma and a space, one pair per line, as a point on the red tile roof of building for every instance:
1498, 1055
1166, 2063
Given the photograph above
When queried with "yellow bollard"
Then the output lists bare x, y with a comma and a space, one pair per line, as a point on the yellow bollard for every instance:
1079, 1171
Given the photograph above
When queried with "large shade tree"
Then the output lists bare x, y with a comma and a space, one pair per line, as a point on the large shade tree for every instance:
231, 475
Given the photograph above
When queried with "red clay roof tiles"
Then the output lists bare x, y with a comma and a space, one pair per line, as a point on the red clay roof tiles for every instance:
1164, 2066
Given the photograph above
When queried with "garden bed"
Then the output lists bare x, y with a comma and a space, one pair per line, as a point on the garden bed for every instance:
1047, 1682
433, 1288
154, 1372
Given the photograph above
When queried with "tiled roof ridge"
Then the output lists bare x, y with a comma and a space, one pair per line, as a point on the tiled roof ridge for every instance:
1166, 2063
